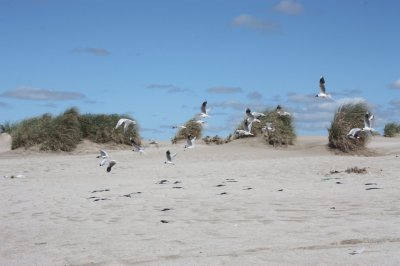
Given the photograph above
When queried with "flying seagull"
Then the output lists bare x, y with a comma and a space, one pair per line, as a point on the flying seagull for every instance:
204, 111
354, 133
125, 121
246, 131
181, 127
280, 111
169, 157
190, 142
253, 116
368, 122
322, 90
136, 147
104, 157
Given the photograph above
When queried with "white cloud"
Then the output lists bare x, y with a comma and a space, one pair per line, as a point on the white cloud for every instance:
224, 90
4, 105
254, 95
289, 7
29, 93
168, 88
247, 21
395, 85
91, 50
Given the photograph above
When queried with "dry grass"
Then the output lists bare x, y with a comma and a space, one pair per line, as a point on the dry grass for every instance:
391, 130
192, 128
348, 116
356, 170
284, 133
64, 132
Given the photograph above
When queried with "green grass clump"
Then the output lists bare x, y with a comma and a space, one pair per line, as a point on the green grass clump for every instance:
192, 128
391, 130
64, 132
348, 116
284, 133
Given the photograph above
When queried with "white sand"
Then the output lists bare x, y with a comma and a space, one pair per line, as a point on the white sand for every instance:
48, 217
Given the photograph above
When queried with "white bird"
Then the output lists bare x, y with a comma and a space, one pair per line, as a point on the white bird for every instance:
204, 111
322, 90
246, 131
104, 157
368, 122
110, 165
170, 157
136, 147
354, 133
200, 122
125, 121
280, 111
253, 116
181, 127
190, 142
268, 127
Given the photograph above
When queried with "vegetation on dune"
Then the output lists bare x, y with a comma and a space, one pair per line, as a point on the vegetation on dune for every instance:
283, 133
391, 130
64, 132
348, 116
192, 128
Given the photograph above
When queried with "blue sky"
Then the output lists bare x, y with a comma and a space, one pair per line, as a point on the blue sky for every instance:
159, 60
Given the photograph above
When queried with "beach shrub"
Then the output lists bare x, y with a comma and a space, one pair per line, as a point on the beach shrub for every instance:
64, 132
391, 130
284, 133
348, 116
192, 128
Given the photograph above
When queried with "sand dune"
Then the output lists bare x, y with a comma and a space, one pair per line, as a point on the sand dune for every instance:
236, 204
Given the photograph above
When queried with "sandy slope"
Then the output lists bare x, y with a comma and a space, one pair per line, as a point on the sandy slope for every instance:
49, 217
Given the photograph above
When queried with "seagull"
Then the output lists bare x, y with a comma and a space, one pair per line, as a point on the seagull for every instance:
355, 133
322, 91
204, 111
127, 123
280, 111
181, 127
268, 127
368, 122
247, 129
190, 142
169, 157
253, 116
104, 157
110, 165
136, 147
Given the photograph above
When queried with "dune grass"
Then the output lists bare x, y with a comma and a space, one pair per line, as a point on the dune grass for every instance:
348, 116
284, 133
192, 128
391, 130
65, 131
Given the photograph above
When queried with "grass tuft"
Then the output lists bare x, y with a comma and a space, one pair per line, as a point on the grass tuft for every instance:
348, 116
391, 130
64, 132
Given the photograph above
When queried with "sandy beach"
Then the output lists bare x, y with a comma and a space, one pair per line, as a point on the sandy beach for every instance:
242, 203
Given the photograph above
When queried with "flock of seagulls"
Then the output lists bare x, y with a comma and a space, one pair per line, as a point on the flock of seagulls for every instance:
251, 117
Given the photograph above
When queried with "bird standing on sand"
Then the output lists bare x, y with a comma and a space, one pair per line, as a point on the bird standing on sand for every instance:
127, 123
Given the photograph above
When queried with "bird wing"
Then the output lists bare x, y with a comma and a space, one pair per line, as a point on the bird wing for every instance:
203, 107
173, 156
367, 122
322, 85
103, 161
249, 127
120, 122
248, 113
104, 154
